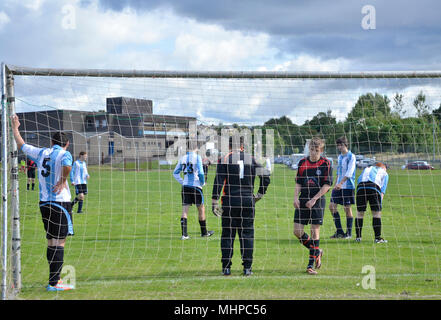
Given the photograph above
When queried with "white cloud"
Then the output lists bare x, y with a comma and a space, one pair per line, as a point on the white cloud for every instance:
304, 62
32, 4
212, 47
4, 19
129, 39
161, 40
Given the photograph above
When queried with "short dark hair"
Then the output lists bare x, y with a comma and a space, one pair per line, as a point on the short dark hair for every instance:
60, 138
82, 153
342, 140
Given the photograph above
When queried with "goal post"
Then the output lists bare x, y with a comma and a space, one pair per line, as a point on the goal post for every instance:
132, 155
4, 247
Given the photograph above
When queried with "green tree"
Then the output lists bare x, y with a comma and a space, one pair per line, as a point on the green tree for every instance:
437, 113
398, 107
370, 106
420, 105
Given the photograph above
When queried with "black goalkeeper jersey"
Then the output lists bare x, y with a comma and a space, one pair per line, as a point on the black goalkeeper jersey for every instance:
312, 176
235, 174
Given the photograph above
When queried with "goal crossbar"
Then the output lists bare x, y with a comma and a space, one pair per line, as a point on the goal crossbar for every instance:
26, 71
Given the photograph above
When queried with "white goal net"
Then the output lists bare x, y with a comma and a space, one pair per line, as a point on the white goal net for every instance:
134, 126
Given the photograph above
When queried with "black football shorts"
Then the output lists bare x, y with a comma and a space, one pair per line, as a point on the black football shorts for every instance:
57, 219
313, 215
192, 195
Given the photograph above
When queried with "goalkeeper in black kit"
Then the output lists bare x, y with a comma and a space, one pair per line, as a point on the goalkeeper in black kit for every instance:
235, 175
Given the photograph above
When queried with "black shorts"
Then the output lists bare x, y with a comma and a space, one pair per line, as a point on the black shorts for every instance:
57, 219
31, 174
343, 197
80, 188
192, 195
314, 215
368, 193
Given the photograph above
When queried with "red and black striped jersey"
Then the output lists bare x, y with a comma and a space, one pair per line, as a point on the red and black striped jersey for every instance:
312, 176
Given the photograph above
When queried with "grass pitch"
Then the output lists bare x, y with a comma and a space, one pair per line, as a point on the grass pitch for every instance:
127, 244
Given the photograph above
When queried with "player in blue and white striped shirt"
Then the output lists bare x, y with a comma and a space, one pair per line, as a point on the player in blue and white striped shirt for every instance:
191, 167
78, 178
54, 165
344, 191
371, 187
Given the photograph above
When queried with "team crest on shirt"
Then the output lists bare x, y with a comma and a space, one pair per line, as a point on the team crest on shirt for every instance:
318, 172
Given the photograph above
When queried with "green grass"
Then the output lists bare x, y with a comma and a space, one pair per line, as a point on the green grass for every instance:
127, 245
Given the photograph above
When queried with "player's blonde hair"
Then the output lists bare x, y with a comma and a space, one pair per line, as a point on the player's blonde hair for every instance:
317, 142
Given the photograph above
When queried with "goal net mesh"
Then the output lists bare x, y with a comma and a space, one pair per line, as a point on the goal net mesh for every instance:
127, 242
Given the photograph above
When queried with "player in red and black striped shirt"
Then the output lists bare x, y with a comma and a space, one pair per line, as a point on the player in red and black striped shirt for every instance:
30, 168
313, 180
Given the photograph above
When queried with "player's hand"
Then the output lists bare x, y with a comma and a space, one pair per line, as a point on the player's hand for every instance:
297, 203
217, 211
59, 187
257, 197
311, 203
15, 123
337, 186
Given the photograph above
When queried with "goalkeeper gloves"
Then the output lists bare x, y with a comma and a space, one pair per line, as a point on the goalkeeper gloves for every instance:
257, 197
217, 210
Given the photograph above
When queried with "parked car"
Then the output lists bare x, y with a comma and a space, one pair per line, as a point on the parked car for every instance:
295, 165
365, 163
419, 165
278, 160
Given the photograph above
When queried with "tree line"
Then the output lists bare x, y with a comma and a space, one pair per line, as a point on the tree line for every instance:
374, 124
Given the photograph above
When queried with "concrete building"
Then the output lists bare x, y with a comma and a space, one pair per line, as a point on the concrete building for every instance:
127, 131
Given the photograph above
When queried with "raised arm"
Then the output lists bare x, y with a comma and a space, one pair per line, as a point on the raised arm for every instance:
15, 124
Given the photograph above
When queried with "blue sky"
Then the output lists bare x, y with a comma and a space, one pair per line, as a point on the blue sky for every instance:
282, 35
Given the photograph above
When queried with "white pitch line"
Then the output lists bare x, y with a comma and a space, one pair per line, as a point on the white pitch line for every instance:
257, 277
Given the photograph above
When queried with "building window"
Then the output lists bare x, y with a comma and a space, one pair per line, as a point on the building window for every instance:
89, 123
129, 145
104, 123
136, 145
97, 123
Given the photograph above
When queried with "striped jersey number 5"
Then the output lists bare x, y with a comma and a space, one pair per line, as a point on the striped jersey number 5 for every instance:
188, 166
45, 173
241, 169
